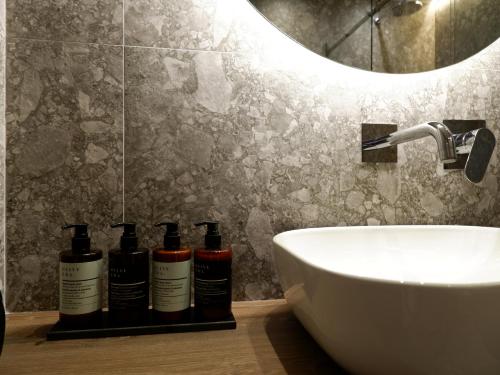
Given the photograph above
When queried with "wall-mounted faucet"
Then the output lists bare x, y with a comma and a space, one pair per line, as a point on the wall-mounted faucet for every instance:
478, 144
440, 132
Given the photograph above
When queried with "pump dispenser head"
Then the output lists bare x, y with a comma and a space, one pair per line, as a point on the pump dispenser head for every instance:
80, 243
172, 239
213, 238
128, 240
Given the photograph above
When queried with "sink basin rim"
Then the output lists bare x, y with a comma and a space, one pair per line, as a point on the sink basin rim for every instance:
278, 241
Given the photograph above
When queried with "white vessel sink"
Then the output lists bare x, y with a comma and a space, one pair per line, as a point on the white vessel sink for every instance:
397, 300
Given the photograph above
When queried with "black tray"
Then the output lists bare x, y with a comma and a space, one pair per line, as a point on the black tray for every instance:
149, 327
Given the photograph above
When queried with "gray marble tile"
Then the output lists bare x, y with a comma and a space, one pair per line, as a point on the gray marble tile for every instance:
75, 21
264, 139
186, 24
210, 25
191, 154
238, 26
473, 93
64, 159
204, 139
265, 149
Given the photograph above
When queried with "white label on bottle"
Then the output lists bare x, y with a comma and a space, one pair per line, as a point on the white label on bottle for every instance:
80, 287
171, 286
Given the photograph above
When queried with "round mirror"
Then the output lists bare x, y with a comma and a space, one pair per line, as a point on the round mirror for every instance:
391, 36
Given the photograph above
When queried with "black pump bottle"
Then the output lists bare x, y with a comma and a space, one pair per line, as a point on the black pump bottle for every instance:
128, 279
80, 281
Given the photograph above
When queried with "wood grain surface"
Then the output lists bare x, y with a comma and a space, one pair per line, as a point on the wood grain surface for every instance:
268, 340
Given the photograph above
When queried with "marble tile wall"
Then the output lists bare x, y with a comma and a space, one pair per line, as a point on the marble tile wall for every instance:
64, 136
225, 118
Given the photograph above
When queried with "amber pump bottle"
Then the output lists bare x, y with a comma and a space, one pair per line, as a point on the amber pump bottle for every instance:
212, 276
128, 279
171, 277
80, 281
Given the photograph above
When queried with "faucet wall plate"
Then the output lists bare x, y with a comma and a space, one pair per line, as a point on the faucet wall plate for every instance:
385, 155
457, 127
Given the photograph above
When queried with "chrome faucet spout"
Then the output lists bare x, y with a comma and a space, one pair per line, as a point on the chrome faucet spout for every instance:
477, 144
440, 132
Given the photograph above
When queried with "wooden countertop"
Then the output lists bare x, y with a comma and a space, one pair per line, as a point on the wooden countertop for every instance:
268, 340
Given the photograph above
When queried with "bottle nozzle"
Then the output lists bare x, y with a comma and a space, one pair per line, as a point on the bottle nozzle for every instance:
212, 226
128, 240
81, 230
128, 228
80, 241
171, 239
213, 238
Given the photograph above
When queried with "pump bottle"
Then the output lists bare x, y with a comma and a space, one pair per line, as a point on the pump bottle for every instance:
171, 277
2, 323
80, 281
128, 279
212, 276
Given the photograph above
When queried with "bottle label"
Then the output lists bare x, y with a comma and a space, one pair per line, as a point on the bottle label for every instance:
212, 292
171, 286
212, 285
80, 287
125, 295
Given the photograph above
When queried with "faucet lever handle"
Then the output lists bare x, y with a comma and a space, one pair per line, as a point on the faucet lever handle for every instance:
480, 153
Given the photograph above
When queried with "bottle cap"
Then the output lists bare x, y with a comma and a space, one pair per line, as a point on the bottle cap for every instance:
213, 239
128, 240
172, 239
80, 243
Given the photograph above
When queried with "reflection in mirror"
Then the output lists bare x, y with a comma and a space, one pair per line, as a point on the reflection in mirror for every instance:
392, 36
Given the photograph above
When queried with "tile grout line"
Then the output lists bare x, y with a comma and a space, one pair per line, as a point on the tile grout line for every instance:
13, 39
189, 50
123, 110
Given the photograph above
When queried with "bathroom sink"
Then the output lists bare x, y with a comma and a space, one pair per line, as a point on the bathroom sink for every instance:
397, 300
